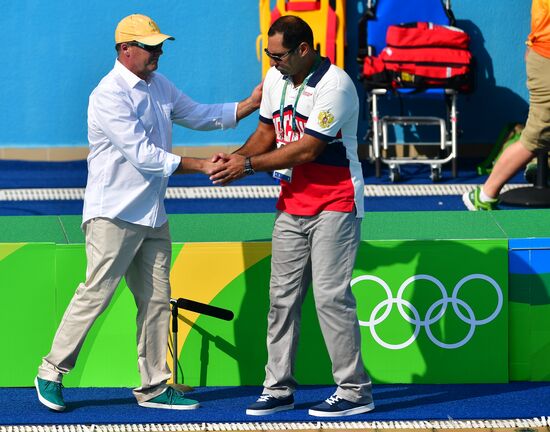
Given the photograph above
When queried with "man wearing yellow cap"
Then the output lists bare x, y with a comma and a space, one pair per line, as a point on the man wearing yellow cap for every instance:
536, 135
130, 117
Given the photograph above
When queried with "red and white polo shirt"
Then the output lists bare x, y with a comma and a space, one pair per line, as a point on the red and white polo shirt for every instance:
328, 109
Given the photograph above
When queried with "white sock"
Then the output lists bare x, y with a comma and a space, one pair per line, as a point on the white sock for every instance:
484, 197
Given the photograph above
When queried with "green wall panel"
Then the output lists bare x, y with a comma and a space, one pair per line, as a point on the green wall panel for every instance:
28, 318
422, 307
218, 353
454, 347
224, 352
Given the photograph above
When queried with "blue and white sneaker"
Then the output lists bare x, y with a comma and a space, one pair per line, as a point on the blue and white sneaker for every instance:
335, 406
268, 404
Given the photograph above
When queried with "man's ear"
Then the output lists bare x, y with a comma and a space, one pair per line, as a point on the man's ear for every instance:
303, 49
125, 49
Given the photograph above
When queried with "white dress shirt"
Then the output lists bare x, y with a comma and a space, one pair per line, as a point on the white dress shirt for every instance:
130, 136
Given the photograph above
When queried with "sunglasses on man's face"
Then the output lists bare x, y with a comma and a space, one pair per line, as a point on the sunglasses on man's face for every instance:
279, 57
149, 48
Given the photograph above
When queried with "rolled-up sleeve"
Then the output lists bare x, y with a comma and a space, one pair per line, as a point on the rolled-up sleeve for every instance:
114, 118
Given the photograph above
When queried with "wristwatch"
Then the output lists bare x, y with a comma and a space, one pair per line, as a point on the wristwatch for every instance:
248, 170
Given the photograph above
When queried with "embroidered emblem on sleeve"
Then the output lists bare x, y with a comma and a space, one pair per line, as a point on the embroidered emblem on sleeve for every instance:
325, 119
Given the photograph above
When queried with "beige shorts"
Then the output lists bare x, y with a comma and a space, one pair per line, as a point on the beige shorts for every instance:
536, 134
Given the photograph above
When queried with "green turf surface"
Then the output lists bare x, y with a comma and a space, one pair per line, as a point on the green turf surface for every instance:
523, 223
424, 225
25, 229
428, 225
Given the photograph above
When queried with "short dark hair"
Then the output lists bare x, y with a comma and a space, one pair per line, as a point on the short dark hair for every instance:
294, 30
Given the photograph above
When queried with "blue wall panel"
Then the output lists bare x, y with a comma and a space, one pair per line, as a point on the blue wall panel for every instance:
529, 308
55, 53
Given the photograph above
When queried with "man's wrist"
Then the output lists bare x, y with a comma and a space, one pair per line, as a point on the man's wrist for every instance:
255, 105
190, 165
248, 169
246, 107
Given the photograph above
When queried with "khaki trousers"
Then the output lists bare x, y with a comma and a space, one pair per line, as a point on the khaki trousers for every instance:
319, 249
142, 255
536, 134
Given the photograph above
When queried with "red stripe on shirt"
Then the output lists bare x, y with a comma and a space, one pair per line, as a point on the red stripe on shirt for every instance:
314, 188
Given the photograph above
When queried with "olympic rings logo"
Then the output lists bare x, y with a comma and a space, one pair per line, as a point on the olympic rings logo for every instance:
431, 317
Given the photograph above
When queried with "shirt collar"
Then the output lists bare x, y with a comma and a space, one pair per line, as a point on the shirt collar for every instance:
132, 79
317, 75
320, 72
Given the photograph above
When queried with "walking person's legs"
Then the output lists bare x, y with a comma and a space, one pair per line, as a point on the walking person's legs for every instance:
535, 136
110, 248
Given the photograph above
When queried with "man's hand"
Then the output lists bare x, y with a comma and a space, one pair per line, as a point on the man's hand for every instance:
210, 167
251, 103
256, 96
218, 157
229, 167
190, 165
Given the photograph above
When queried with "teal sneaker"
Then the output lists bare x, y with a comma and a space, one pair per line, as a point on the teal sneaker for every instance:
49, 393
170, 399
473, 202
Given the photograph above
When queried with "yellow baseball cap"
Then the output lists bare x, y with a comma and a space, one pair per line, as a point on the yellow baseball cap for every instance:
139, 28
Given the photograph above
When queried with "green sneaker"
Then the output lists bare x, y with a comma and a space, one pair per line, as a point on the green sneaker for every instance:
473, 202
49, 393
170, 399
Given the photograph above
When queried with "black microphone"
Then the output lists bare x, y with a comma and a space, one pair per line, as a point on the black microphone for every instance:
203, 308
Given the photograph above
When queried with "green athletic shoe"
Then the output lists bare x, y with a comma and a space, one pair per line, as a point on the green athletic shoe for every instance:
170, 399
473, 202
49, 393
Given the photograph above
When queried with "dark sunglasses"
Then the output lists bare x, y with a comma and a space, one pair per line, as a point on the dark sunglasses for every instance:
149, 48
279, 57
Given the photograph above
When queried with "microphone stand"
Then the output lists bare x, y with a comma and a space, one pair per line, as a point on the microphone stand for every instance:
180, 387
197, 307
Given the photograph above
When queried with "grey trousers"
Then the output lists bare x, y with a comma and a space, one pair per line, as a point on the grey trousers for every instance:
319, 249
142, 255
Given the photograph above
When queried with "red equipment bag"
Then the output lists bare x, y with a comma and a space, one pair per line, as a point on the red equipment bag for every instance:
422, 55
423, 34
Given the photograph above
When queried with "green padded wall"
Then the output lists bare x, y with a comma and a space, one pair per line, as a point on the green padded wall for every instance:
38, 279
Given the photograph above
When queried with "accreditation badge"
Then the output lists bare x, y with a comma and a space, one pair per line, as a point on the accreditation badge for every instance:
284, 173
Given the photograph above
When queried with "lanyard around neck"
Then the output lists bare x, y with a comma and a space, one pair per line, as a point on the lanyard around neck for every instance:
300, 90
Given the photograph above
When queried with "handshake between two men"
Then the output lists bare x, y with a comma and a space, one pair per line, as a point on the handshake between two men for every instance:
222, 168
